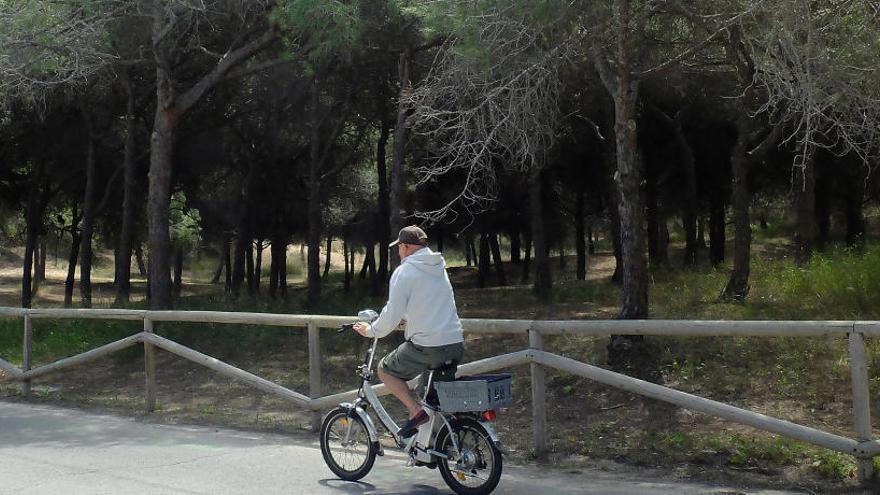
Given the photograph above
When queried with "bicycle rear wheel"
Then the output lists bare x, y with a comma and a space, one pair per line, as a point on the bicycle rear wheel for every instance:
475, 468
345, 445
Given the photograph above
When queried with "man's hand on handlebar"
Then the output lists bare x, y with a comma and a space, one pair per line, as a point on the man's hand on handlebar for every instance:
361, 328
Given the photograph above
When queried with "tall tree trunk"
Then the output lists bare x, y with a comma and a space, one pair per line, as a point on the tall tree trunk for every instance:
652, 214
57, 250
249, 268
623, 88
717, 236
33, 212
701, 232
314, 242
237, 276
855, 220
178, 272
579, 243
483, 261
348, 270
139, 258
314, 212
473, 248
384, 223
398, 167
439, 234
88, 220
39, 265
221, 263
282, 272
662, 237
227, 265
72, 260
115, 264
561, 256
362, 275
591, 243
496, 255
527, 257
466, 242
823, 183
805, 201
327, 257
369, 267
275, 266
612, 202
161, 151
515, 247
737, 288
129, 164
689, 189
629, 178
370, 259
244, 240
258, 265
543, 277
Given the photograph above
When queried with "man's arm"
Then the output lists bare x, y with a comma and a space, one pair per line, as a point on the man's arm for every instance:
392, 313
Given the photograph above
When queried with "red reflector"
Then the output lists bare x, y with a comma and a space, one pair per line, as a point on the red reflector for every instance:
489, 415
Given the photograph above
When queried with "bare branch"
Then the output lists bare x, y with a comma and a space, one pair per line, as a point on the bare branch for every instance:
478, 116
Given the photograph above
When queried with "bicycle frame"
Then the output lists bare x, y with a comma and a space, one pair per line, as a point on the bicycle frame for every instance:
427, 432
452, 441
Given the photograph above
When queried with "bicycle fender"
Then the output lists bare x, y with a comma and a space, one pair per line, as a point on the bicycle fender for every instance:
487, 425
368, 421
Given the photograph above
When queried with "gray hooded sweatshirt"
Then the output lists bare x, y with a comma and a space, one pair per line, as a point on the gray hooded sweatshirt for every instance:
421, 294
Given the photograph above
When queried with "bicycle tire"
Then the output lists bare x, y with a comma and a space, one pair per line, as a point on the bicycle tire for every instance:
362, 441
484, 452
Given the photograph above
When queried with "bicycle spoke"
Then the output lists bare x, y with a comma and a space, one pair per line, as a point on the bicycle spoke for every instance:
349, 455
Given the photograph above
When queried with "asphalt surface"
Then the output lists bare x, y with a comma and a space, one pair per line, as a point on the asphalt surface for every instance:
50, 450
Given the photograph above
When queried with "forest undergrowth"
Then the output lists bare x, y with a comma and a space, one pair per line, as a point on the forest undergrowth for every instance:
805, 380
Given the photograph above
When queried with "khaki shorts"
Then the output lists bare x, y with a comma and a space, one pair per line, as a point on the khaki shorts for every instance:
409, 360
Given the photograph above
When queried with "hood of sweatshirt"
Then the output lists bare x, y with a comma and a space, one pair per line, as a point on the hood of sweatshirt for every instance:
427, 261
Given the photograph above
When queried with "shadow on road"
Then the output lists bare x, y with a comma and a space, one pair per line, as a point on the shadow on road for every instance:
358, 487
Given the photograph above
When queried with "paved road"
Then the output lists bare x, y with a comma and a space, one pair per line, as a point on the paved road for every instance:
48, 450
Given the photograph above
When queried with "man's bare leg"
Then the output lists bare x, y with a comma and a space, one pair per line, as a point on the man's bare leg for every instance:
400, 390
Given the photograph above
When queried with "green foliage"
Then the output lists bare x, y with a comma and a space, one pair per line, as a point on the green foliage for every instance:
465, 22
841, 284
185, 223
749, 451
11, 332
43, 44
321, 28
56, 339
833, 465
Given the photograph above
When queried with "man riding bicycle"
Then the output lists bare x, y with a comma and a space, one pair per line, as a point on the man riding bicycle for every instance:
420, 294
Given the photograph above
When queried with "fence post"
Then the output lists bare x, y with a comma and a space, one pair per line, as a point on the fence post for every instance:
539, 405
315, 371
858, 365
149, 370
26, 354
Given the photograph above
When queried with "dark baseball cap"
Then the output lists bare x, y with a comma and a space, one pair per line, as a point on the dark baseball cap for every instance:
411, 235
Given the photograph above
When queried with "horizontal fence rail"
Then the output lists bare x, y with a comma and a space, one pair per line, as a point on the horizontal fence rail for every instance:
864, 447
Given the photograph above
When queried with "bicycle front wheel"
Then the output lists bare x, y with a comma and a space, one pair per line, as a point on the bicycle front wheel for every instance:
475, 468
345, 445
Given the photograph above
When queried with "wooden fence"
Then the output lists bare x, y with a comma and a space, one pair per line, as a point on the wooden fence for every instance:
863, 447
